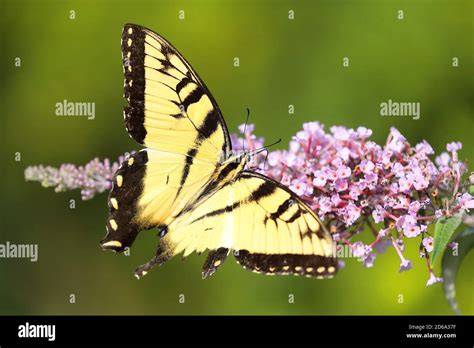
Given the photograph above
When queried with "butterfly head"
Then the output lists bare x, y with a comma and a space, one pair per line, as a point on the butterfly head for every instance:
247, 157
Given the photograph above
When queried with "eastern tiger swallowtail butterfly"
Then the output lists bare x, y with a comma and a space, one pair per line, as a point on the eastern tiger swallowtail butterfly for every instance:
179, 183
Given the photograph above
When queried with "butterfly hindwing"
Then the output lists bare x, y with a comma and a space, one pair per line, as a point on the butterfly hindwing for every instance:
294, 241
214, 260
269, 228
127, 186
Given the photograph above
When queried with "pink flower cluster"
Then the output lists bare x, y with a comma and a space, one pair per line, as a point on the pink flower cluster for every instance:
92, 178
352, 182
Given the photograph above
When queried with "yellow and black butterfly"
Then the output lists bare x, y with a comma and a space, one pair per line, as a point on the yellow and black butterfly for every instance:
180, 183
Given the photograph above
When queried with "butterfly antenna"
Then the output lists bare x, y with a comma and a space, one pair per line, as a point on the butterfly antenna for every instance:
245, 128
265, 148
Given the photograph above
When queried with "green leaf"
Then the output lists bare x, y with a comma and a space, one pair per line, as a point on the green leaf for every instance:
450, 265
444, 230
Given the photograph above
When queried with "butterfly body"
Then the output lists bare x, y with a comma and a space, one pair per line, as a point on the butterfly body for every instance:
186, 184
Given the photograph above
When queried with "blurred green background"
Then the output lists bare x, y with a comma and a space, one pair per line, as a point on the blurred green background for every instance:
282, 62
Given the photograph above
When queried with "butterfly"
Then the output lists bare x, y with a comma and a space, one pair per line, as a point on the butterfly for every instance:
181, 184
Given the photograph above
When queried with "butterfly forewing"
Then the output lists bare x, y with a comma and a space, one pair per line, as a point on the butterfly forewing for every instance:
172, 113
170, 108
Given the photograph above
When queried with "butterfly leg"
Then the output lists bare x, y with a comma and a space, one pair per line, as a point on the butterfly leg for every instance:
160, 258
214, 260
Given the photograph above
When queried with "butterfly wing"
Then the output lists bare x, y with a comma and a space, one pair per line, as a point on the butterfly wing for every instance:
269, 228
172, 113
166, 97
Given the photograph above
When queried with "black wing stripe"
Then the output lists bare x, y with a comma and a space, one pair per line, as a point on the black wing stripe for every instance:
226, 209
168, 65
208, 127
281, 209
183, 83
212, 185
193, 97
262, 191
187, 166
164, 72
295, 216
228, 169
